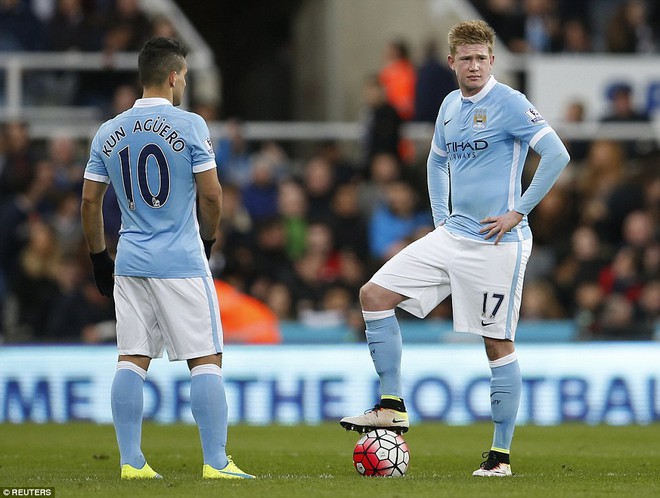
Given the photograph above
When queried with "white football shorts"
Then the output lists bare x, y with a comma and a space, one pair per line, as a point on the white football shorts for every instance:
484, 279
180, 314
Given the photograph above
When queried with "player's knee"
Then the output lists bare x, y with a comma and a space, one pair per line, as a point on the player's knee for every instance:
375, 298
366, 296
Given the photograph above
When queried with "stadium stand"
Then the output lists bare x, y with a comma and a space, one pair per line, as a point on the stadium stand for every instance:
594, 273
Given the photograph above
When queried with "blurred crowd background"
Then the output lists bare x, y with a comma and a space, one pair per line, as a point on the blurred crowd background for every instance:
304, 228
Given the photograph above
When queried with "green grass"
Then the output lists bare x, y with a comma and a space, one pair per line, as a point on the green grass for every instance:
81, 460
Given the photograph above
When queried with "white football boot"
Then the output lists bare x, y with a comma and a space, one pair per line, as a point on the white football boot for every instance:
377, 418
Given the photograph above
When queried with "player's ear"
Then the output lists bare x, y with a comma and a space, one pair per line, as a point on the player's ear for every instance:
172, 78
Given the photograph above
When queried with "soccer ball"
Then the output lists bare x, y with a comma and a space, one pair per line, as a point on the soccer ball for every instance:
381, 453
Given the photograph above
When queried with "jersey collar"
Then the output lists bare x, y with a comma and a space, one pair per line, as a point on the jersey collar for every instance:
151, 101
483, 92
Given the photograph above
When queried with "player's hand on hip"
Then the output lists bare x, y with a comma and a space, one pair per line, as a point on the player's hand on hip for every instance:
104, 269
499, 225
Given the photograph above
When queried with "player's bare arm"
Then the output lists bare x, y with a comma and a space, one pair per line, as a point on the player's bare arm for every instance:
91, 212
499, 225
209, 193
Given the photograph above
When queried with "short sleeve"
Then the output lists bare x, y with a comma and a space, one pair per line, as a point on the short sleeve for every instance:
201, 147
95, 169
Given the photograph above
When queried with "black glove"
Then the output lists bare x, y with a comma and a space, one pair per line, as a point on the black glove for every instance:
208, 244
104, 268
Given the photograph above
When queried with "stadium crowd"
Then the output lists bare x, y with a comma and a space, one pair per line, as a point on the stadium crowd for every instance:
303, 232
574, 26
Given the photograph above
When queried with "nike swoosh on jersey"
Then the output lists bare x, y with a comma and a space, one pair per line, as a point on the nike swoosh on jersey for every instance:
445, 122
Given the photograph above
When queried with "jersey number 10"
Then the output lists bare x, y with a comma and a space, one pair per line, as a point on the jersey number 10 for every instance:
154, 200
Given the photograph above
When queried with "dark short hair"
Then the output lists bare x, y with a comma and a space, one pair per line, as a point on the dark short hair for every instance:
158, 58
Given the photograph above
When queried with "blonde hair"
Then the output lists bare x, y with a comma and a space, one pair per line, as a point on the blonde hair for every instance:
471, 33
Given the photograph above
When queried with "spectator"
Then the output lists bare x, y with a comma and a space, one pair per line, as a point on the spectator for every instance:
20, 29
269, 249
15, 215
398, 77
348, 224
628, 30
397, 223
623, 275
163, 26
589, 303
381, 123
66, 223
73, 27
235, 223
622, 110
64, 157
606, 193
434, 81
618, 320
307, 286
344, 170
19, 158
578, 148
319, 242
575, 37
292, 206
79, 312
541, 26
35, 286
383, 169
639, 230
552, 227
318, 178
649, 306
352, 272
583, 264
279, 300
540, 302
123, 98
127, 27
508, 21
260, 194
334, 308
232, 155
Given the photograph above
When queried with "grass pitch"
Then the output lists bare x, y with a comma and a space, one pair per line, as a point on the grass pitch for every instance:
81, 460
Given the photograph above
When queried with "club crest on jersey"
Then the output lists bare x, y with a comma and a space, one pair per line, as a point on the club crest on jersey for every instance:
480, 119
534, 116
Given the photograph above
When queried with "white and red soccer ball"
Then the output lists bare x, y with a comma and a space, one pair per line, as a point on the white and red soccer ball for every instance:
381, 453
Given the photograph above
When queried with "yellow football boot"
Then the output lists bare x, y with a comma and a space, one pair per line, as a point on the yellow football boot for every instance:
146, 472
230, 471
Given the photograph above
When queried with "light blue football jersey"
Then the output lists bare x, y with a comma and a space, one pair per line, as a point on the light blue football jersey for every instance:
477, 157
150, 154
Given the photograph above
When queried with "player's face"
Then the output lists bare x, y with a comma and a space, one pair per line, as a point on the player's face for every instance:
472, 65
180, 86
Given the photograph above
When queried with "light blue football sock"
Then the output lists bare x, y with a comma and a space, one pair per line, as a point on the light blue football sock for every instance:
209, 408
126, 399
385, 345
505, 388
